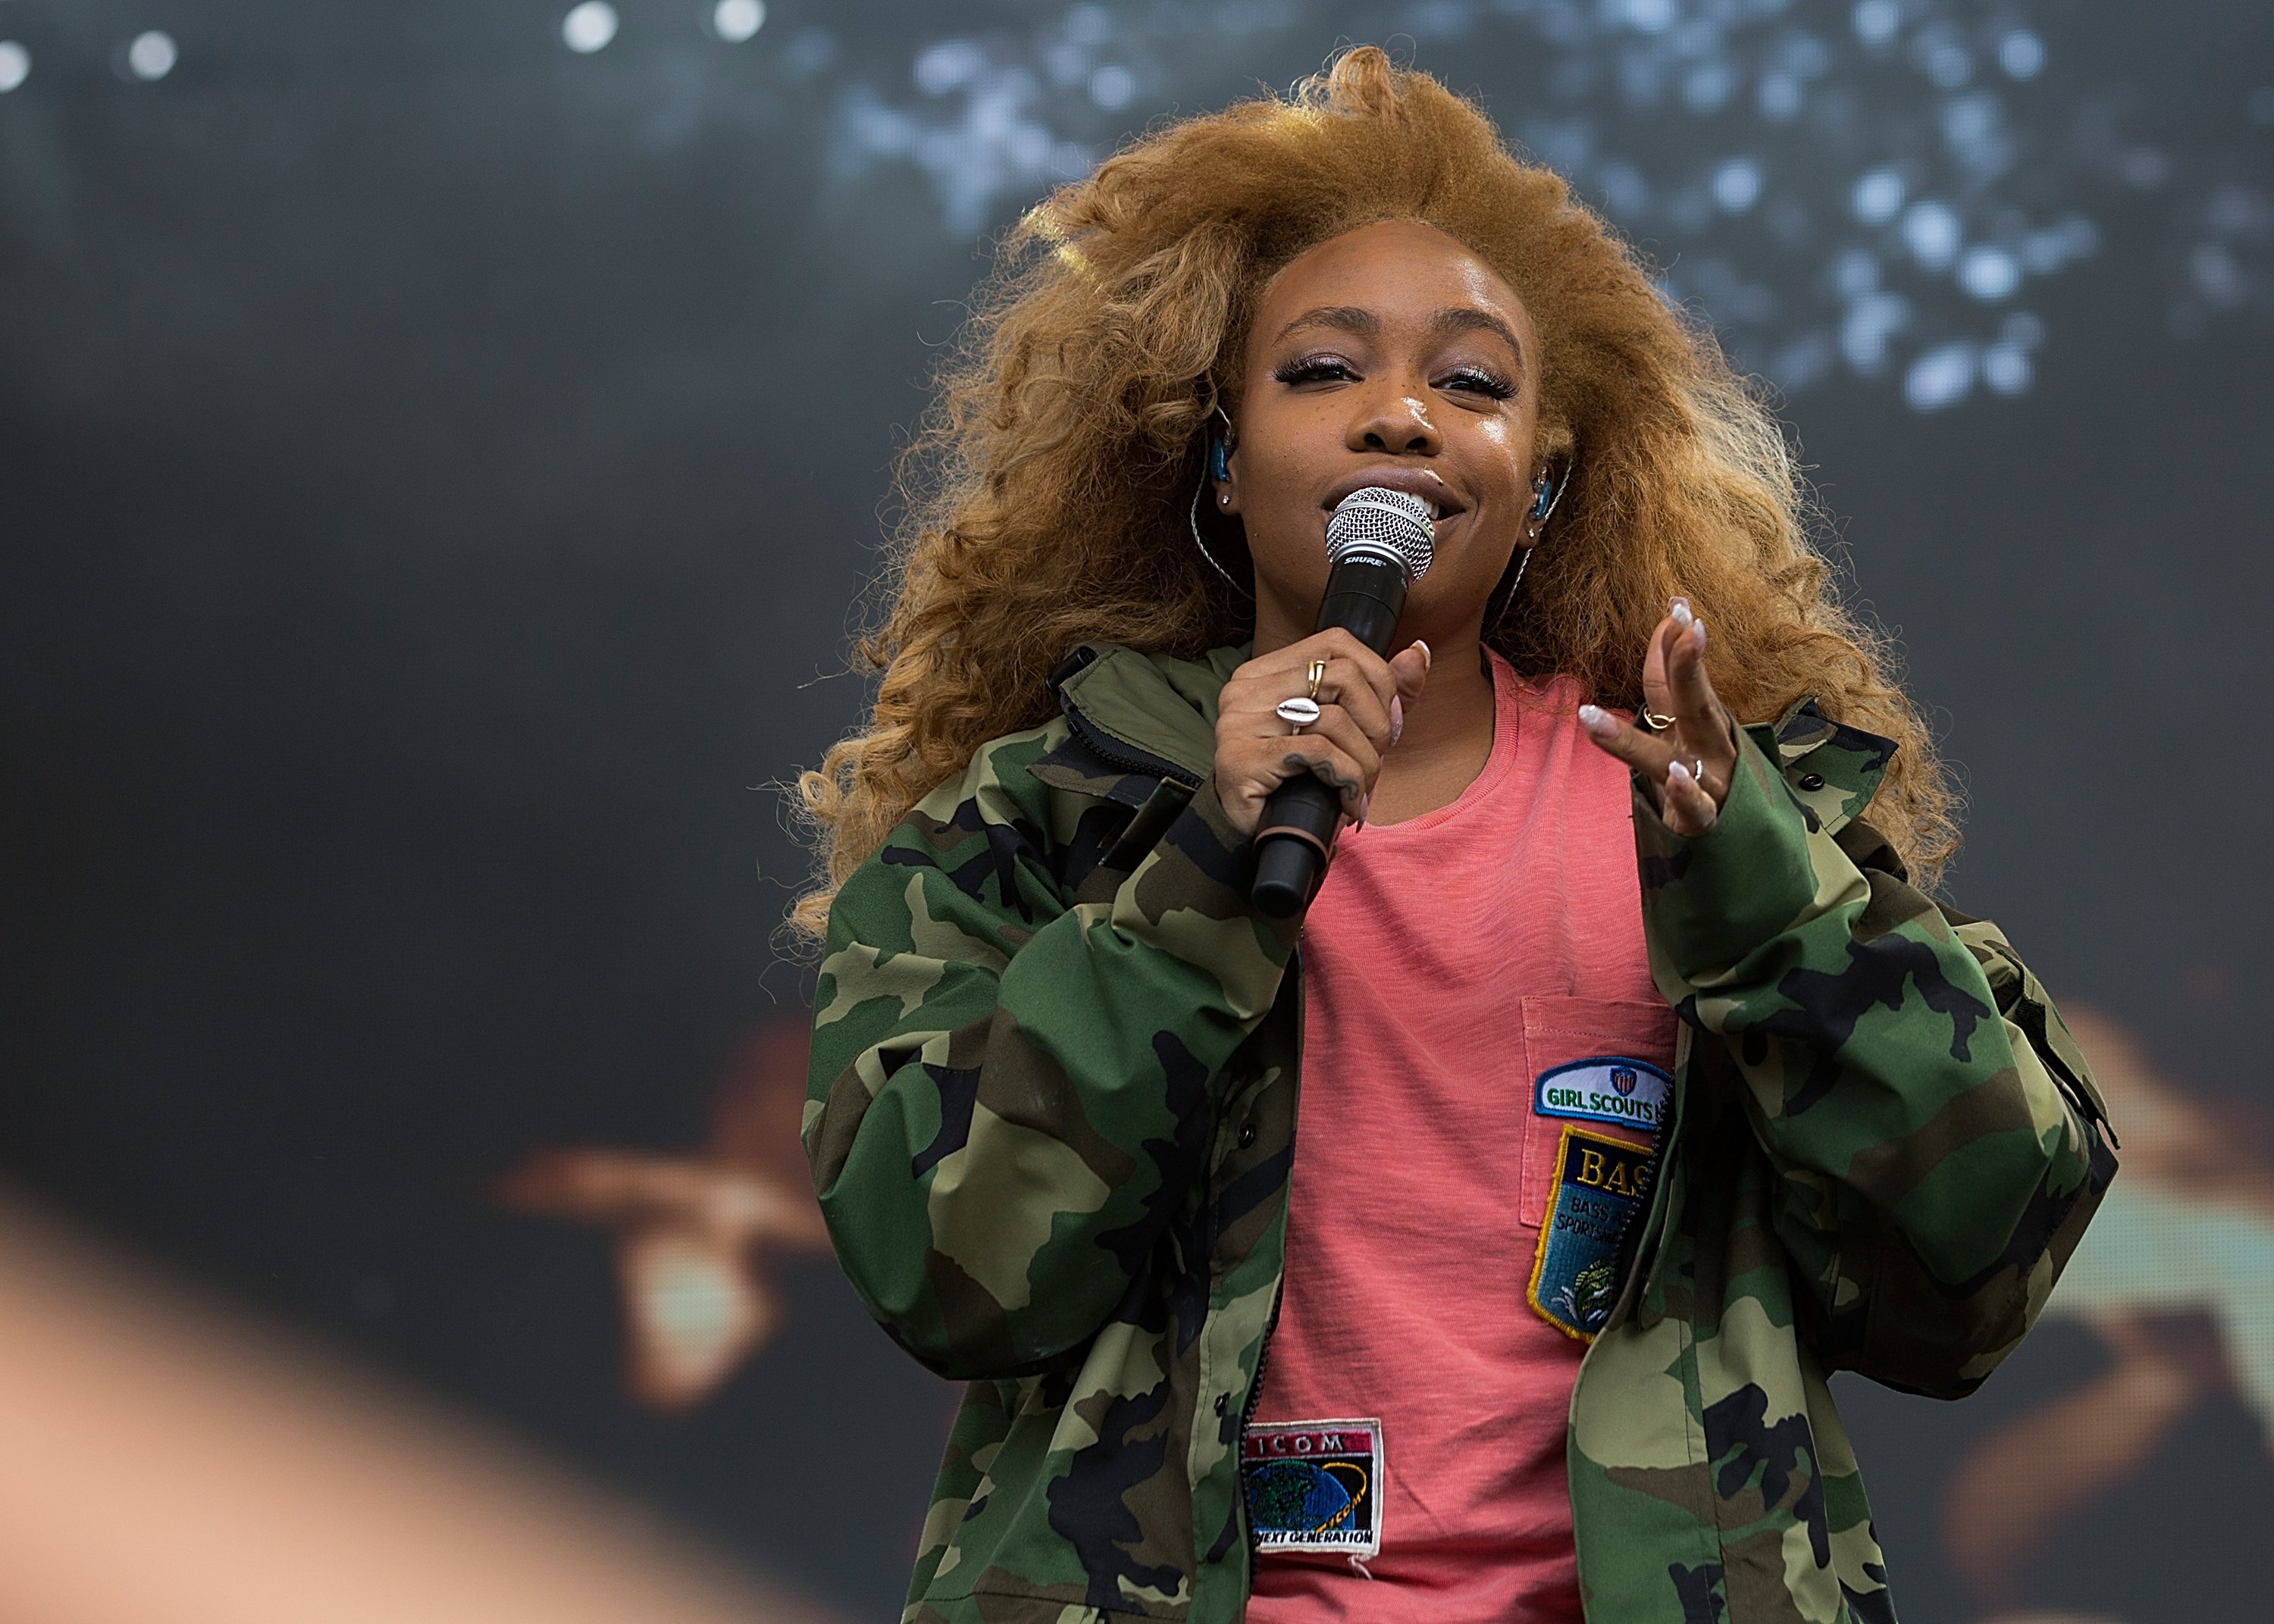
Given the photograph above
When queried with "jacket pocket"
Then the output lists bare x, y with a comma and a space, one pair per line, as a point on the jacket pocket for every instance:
1562, 1036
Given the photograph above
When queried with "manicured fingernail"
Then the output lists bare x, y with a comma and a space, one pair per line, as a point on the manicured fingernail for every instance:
1677, 776
1427, 658
1598, 721
1365, 807
1697, 635
1680, 611
1396, 720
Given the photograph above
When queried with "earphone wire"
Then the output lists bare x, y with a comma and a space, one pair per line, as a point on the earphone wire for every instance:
1194, 515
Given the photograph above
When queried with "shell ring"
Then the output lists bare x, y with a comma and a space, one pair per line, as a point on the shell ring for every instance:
1297, 712
1301, 709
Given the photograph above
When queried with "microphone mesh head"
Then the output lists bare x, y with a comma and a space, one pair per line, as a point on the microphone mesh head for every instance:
1388, 524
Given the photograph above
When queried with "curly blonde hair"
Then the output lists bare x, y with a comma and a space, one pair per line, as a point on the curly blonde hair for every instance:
1047, 490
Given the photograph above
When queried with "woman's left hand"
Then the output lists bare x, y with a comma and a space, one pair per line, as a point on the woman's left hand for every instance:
1688, 763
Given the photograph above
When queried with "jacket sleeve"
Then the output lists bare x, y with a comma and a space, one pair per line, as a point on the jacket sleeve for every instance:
1009, 1092
1935, 1134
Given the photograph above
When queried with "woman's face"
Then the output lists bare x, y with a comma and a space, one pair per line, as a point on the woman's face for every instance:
1388, 356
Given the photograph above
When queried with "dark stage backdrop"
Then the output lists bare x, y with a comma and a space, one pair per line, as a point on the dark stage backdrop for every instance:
440, 443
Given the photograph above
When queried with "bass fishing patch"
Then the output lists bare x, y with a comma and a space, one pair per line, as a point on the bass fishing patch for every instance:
1607, 1088
1599, 1182
1313, 1485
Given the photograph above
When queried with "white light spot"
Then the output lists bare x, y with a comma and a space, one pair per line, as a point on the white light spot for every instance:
2021, 53
1877, 196
1649, 16
1989, 274
944, 66
2216, 274
737, 20
1089, 24
1950, 64
1737, 185
1870, 322
152, 56
588, 27
1780, 97
2023, 329
2006, 368
1855, 273
1942, 377
15, 65
1877, 20
1933, 232
1707, 86
1112, 86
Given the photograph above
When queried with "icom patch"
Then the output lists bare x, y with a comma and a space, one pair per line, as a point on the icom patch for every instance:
1313, 1485
1599, 1183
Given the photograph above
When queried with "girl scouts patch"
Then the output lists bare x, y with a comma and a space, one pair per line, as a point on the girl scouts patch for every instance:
1313, 1485
1599, 1183
1608, 1088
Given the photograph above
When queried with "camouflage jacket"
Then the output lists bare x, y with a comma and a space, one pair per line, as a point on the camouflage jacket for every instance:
1051, 1119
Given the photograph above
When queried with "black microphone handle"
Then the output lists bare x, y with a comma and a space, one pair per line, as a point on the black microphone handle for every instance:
1365, 596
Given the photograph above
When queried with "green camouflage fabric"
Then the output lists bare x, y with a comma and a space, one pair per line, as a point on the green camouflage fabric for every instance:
1051, 1119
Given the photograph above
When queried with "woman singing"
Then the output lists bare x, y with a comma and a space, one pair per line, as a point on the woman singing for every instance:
1476, 1247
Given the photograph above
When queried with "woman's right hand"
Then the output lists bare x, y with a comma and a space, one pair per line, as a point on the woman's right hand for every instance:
1361, 711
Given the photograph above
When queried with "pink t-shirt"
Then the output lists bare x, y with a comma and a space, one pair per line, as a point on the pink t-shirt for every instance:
1449, 962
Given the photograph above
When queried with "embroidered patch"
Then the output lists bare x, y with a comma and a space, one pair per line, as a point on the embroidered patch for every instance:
1313, 1485
1599, 1183
1607, 1088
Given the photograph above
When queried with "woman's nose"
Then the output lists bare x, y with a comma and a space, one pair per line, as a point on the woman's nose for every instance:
1395, 420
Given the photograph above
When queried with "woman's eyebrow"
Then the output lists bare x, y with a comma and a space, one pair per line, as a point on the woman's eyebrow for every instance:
1342, 317
1467, 318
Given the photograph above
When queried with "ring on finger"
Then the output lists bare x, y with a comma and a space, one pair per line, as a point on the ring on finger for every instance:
1651, 719
1318, 676
1697, 771
1297, 711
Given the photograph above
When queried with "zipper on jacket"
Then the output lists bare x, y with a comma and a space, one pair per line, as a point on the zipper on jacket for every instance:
1247, 1415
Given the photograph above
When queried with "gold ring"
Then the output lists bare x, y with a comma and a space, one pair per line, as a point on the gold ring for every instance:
1318, 676
1651, 719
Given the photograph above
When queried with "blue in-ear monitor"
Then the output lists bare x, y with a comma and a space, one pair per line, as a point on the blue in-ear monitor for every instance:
1219, 460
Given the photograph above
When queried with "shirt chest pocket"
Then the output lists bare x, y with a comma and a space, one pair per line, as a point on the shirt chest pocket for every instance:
1598, 1066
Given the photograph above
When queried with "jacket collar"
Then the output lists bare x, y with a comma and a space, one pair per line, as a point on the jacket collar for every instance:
1139, 718
1135, 720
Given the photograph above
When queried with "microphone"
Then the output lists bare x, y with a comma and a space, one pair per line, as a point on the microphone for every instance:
1380, 543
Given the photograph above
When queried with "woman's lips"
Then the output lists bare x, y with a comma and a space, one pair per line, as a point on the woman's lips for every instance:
1412, 481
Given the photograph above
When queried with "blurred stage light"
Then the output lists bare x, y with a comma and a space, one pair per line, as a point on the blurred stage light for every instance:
1989, 274
1737, 185
2021, 53
1877, 196
1932, 230
15, 65
1877, 20
1112, 86
152, 56
737, 20
589, 28
1942, 377
1914, 150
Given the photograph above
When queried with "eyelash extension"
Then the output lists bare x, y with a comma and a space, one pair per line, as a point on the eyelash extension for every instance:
1319, 369
1313, 369
1486, 383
